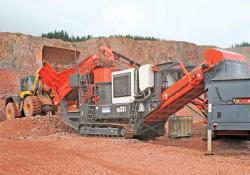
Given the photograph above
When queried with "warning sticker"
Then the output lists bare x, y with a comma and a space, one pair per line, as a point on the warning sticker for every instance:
209, 107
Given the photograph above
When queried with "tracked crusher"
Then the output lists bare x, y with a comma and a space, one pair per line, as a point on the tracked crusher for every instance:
108, 94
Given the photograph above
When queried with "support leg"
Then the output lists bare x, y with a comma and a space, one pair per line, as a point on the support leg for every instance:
209, 142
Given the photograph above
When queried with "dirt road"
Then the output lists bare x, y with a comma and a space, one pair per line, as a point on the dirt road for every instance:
79, 155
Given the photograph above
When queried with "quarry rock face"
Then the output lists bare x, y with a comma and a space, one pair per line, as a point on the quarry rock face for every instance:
145, 51
25, 53
22, 48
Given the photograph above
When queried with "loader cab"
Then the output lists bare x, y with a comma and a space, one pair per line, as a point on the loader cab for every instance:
27, 83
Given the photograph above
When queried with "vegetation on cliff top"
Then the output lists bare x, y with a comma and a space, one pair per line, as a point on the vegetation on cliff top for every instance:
243, 44
63, 35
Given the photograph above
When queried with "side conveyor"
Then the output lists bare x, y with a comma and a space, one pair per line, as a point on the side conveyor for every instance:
190, 86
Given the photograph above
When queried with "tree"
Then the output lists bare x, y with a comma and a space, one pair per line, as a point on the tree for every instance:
243, 44
63, 35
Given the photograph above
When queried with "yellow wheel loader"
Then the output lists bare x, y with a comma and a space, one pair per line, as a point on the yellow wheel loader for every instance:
33, 99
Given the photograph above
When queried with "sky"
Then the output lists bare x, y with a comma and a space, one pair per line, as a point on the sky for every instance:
204, 22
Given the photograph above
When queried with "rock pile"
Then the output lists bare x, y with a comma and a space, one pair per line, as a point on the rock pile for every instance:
33, 127
61, 67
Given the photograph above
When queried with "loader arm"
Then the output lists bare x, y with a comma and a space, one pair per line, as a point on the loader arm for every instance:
36, 81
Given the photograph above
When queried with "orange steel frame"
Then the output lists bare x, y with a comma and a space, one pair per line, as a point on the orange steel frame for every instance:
190, 86
174, 98
105, 62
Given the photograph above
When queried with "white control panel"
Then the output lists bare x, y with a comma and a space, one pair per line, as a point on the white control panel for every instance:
146, 77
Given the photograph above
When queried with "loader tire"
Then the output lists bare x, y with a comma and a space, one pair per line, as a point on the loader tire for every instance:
32, 106
12, 111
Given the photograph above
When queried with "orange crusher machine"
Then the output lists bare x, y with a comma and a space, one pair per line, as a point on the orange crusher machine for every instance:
108, 94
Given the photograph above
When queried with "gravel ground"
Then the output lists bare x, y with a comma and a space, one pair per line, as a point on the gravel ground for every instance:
79, 155
44, 145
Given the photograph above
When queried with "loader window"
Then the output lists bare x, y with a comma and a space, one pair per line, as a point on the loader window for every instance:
27, 83
122, 85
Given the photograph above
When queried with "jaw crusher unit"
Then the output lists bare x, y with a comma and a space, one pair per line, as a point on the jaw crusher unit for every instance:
108, 94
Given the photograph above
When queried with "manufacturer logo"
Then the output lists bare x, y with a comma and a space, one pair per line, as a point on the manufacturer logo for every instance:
121, 109
106, 110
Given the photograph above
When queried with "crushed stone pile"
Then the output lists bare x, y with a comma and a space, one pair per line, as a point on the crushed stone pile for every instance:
61, 67
48, 125
33, 127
